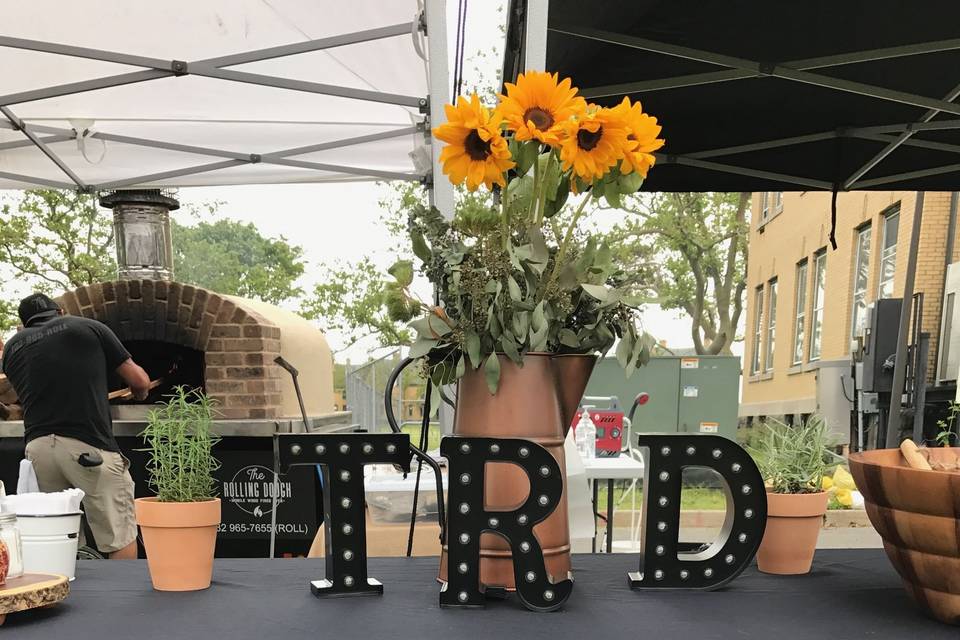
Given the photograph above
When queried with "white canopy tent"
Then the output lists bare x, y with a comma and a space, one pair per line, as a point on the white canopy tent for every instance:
107, 94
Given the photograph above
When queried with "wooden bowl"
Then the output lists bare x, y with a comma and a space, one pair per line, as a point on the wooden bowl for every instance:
917, 513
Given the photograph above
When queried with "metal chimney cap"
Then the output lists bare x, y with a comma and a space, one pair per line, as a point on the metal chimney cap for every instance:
139, 196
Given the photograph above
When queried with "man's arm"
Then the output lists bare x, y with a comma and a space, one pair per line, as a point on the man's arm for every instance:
135, 377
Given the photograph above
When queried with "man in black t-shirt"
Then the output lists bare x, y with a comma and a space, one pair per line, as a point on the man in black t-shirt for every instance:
59, 366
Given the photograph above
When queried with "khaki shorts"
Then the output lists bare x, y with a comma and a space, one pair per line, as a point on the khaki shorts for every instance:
108, 503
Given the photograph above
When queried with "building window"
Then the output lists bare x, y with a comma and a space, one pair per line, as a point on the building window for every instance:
771, 323
777, 201
757, 329
861, 273
888, 252
800, 323
764, 206
819, 279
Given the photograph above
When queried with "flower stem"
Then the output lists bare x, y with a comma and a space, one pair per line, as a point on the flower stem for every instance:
568, 236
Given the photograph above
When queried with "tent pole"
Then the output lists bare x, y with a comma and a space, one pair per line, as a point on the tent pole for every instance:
440, 190
900, 363
535, 35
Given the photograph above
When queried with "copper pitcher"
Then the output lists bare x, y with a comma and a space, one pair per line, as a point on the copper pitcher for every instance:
537, 402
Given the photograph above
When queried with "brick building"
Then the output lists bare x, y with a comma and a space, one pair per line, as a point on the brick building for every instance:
806, 302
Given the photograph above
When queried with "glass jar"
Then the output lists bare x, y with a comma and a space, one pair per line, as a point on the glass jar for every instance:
10, 534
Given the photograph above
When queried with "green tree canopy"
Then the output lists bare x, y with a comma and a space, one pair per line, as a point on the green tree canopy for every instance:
688, 251
232, 257
52, 241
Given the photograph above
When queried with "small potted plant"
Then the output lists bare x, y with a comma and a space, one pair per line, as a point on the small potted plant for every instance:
179, 525
793, 460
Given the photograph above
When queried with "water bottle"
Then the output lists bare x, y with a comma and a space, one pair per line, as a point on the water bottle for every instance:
586, 435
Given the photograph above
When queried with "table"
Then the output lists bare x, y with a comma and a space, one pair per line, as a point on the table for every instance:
849, 594
623, 467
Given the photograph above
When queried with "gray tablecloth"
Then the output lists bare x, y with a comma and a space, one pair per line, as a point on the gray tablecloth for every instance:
849, 594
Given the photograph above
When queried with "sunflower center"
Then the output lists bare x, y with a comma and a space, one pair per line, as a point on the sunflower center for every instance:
477, 148
587, 140
540, 118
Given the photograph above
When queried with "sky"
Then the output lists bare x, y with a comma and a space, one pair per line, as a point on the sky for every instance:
341, 222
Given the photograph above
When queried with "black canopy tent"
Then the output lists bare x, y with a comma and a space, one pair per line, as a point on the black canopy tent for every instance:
771, 96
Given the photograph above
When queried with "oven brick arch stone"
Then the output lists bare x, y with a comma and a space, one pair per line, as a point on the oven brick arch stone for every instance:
239, 345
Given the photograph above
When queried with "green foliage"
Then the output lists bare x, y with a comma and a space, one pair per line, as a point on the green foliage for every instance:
232, 257
687, 251
8, 316
946, 434
793, 459
52, 241
506, 288
356, 299
179, 444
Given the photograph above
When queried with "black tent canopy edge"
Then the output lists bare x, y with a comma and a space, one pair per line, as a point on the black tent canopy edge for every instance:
788, 111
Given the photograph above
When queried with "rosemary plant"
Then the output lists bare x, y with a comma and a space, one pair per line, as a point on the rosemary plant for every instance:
793, 459
179, 442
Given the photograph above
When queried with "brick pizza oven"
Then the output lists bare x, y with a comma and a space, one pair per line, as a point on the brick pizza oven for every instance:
190, 335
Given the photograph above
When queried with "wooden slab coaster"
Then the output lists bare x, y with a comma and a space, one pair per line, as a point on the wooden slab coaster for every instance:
32, 591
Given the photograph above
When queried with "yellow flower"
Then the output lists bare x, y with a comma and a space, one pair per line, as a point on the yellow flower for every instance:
642, 132
538, 104
592, 144
826, 483
844, 497
843, 480
475, 151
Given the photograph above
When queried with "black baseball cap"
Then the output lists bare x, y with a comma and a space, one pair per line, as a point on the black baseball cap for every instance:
37, 306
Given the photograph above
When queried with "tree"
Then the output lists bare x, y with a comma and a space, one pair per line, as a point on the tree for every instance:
688, 251
52, 241
352, 299
232, 257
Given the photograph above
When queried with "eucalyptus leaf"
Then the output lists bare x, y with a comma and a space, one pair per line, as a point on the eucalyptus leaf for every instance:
514, 289
597, 291
539, 319
419, 245
491, 371
509, 345
421, 348
402, 271
538, 246
625, 349
568, 338
472, 341
461, 366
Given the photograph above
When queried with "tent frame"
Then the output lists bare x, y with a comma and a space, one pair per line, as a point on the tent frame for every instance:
534, 17
42, 136
796, 71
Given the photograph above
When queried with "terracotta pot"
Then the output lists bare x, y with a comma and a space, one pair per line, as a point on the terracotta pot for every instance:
179, 538
536, 402
793, 525
917, 513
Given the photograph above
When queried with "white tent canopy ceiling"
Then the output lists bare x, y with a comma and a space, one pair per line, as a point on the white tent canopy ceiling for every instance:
105, 94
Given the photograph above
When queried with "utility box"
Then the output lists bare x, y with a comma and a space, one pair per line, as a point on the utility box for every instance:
695, 394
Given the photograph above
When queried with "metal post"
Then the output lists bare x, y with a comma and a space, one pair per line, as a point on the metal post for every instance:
535, 35
900, 364
920, 386
441, 189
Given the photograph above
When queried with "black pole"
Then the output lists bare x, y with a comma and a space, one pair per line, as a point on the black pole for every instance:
892, 439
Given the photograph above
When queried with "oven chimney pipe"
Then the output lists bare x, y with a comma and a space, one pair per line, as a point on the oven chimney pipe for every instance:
141, 228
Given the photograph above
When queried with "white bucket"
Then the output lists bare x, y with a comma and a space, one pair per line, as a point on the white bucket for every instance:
50, 543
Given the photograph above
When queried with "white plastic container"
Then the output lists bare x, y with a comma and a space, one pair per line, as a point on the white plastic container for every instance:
50, 543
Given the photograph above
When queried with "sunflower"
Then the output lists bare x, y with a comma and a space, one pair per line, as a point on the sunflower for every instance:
642, 132
593, 143
475, 151
538, 104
